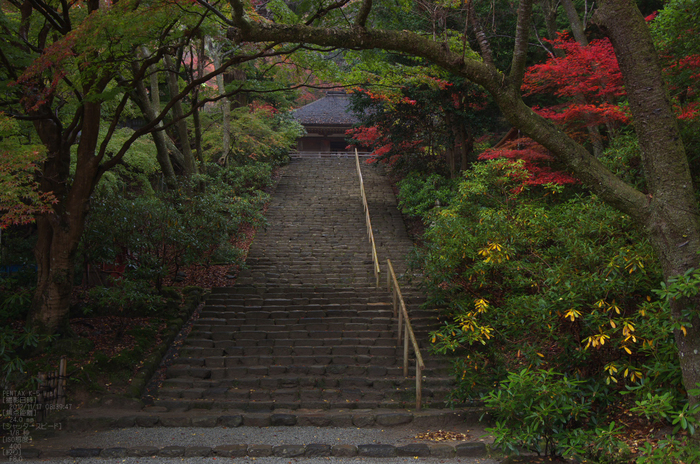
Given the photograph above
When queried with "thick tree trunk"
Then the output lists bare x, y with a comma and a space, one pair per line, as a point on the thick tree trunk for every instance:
54, 253
672, 221
59, 232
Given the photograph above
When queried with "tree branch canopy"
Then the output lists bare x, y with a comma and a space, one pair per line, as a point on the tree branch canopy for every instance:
504, 90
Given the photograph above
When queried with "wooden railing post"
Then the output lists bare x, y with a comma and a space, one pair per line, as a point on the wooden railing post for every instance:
405, 351
419, 386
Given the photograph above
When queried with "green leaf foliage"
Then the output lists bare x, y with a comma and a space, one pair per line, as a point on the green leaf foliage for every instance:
153, 235
544, 278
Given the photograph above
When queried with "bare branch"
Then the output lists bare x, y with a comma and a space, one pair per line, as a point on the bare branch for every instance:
216, 12
51, 16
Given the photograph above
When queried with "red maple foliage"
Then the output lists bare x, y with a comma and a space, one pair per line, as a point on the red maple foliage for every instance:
536, 160
587, 77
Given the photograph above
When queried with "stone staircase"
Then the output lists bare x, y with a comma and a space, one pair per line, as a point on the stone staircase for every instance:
303, 339
304, 329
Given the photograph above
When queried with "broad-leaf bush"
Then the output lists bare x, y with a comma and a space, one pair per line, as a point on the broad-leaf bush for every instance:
535, 279
154, 235
419, 194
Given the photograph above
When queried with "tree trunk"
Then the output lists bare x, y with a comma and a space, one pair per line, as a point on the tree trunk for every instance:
466, 145
580, 37
150, 111
195, 103
189, 164
451, 150
225, 109
59, 231
54, 253
574, 22
672, 217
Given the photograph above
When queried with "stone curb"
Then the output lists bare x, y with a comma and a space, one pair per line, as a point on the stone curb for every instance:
158, 417
441, 450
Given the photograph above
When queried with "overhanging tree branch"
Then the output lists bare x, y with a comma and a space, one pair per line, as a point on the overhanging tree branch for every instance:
506, 92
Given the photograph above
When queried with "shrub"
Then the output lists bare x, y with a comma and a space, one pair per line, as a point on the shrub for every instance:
419, 194
564, 283
536, 410
155, 235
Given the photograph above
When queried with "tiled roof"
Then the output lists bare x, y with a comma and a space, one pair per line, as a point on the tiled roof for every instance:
329, 110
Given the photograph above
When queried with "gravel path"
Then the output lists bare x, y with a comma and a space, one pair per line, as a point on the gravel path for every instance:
55, 449
213, 436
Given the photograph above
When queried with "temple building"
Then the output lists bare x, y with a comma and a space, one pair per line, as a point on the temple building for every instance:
325, 121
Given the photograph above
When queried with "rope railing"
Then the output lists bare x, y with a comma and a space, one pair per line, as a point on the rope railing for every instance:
405, 331
375, 258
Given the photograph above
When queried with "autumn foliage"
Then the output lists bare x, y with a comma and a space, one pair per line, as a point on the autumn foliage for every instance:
20, 198
536, 160
587, 78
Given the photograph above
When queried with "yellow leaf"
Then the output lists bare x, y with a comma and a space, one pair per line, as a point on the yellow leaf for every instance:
540, 355
627, 350
612, 323
683, 330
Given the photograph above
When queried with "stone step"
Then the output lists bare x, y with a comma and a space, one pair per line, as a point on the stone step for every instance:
250, 400
283, 353
307, 290
185, 416
350, 403
204, 340
305, 326
314, 345
198, 370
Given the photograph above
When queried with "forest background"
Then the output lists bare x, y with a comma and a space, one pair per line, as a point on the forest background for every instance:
551, 243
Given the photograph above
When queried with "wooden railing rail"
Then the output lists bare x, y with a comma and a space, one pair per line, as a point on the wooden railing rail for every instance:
405, 331
375, 258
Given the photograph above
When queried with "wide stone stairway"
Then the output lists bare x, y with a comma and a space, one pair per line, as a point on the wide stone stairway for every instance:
300, 359
305, 330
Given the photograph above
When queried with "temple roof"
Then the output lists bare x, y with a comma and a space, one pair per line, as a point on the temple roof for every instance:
333, 109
